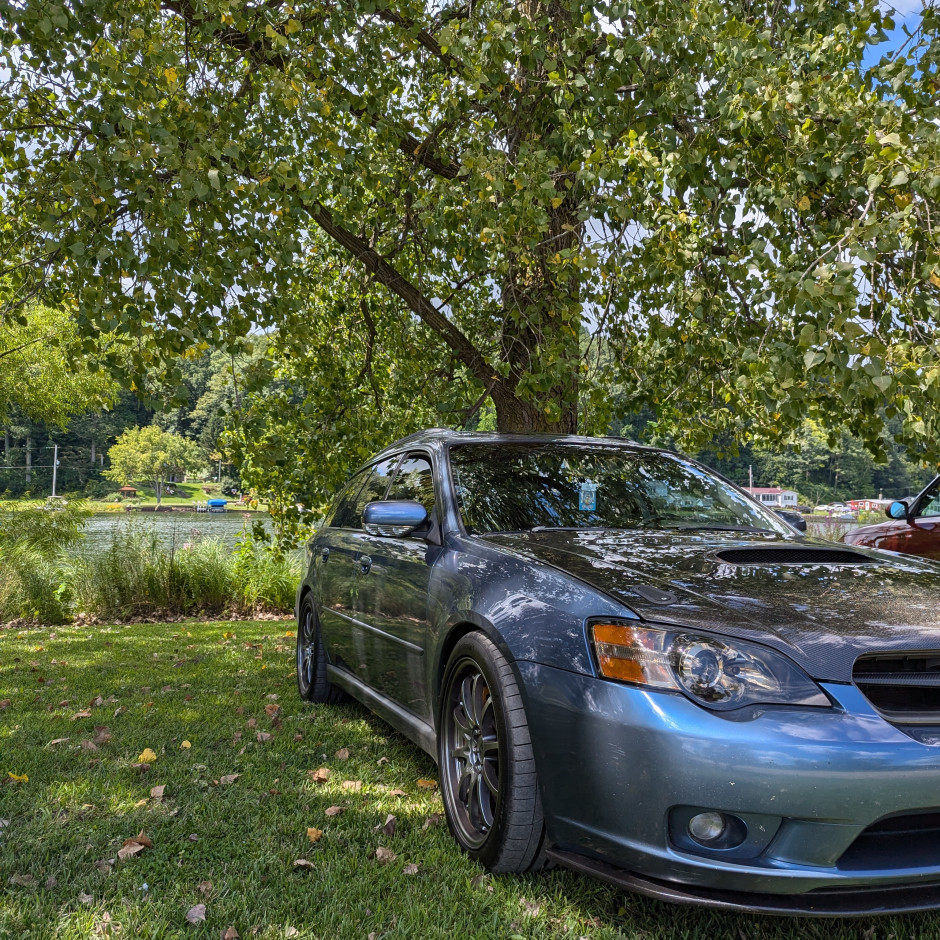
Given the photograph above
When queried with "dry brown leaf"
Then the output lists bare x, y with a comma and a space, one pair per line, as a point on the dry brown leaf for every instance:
229, 778
382, 760
477, 881
24, 881
427, 784
89, 746
291, 932
193, 837
51, 882
272, 710
102, 734
56, 741
230, 934
129, 851
383, 856
302, 863
411, 869
140, 803
433, 820
388, 827
251, 723
119, 711
298, 737
334, 810
314, 834
6, 703
85, 898
343, 753
104, 865
236, 738
205, 888
143, 768
156, 793
531, 908
352, 785
397, 793
320, 775
81, 714
274, 696
262, 737
96, 702
197, 914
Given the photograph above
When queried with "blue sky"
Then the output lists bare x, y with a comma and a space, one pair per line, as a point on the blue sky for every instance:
906, 13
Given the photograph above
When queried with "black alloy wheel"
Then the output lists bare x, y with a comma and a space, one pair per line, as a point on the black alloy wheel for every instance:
312, 682
488, 778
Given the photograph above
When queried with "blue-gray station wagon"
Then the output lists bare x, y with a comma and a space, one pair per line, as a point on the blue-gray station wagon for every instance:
625, 665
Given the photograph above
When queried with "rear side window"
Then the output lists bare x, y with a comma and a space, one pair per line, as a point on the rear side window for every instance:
414, 481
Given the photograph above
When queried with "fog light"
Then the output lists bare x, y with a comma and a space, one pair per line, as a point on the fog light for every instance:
707, 827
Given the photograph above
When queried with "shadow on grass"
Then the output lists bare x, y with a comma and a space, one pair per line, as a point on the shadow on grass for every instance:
215, 687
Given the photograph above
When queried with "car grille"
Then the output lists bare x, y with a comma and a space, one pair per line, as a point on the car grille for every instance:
792, 556
904, 687
911, 840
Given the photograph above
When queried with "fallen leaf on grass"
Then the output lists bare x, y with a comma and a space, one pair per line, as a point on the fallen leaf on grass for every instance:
314, 834
18, 778
197, 914
51, 882
147, 756
140, 803
89, 746
193, 837
298, 737
129, 851
24, 881
352, 785
85, 898
388, 827
6, 703
382, 760
104, 865
81, 714
262, 737
343, 753
229, 778
397, 793
427, 784
119, 711
143, 768
156, 793
302, 863
320, 775
251, 724
411, 869
102, 734
433, 820
185, 746
531, 908
230, 934
291, 932
334, 810
272, 711
96, 702
205, 887
383, 856
274, 696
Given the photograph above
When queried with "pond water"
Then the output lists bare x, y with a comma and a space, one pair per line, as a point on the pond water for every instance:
171, 527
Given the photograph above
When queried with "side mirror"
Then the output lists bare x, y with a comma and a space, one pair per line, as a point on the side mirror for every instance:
393, 517
897, 510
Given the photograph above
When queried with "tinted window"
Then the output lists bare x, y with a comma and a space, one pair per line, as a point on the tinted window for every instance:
414, 481
345, 515
522, 487
375, 487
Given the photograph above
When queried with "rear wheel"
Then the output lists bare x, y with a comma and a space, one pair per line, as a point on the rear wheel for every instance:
312, 682
488, 779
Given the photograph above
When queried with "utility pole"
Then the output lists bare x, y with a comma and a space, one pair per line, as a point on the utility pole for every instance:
55, 465
750, 476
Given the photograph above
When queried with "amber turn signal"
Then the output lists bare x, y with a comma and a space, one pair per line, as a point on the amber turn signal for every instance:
632, 654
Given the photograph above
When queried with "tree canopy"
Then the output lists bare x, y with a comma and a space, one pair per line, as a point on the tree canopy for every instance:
712, 206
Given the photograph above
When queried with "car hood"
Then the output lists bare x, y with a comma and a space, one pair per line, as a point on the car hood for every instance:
822, 614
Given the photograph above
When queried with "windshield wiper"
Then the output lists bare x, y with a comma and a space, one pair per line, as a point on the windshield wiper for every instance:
710, 527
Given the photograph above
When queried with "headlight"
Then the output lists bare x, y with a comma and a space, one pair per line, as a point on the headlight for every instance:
718, 673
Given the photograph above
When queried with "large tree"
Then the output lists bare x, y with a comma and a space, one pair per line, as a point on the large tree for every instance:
717, 190
153, 455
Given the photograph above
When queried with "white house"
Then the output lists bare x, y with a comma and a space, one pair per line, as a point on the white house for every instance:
774, 496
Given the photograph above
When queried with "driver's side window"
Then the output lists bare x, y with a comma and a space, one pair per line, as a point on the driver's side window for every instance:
930, 505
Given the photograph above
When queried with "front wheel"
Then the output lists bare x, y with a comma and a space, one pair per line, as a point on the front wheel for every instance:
488, 780
312, 682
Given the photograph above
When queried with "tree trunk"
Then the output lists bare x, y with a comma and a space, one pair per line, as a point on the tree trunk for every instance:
29, 457
6, 446
92, 451
522, 417
158, 491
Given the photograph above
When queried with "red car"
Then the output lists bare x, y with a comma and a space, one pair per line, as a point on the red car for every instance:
911, 528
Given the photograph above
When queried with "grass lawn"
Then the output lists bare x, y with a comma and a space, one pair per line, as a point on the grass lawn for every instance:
231, 844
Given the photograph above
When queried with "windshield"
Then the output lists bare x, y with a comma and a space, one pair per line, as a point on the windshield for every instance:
526, 487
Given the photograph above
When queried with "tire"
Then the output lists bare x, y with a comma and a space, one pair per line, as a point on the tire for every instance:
488, 778
311, 659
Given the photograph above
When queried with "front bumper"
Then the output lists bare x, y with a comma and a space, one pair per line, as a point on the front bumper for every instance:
618, 766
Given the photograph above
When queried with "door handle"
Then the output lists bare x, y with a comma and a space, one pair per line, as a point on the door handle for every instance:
365, 563
324, 553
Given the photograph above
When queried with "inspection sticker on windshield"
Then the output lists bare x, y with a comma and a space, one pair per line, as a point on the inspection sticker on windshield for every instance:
587, 496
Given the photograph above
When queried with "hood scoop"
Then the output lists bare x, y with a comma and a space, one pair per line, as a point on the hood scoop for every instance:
791, 555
